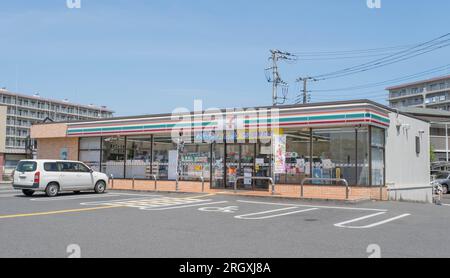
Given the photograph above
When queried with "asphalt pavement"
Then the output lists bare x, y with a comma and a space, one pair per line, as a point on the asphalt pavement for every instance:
130, 224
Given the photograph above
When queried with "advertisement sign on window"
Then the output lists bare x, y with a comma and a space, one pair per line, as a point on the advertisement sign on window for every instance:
279, 145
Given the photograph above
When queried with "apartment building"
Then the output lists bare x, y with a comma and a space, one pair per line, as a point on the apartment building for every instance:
431, 93
429, 100
21, 111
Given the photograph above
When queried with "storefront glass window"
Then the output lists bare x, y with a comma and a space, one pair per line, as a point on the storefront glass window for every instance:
138, 164
378, 142
232, 159
334, 154
217, 164
363, 156
297, 165
165, 157
90, 152
263, 165
113, 157
246, 166
195, 161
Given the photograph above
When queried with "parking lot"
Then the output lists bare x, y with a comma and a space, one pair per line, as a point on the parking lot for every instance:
130, 224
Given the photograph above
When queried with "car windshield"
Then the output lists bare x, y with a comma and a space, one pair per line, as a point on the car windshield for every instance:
26, 166
442, 176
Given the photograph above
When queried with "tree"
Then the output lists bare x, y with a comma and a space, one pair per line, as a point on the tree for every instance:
432, 154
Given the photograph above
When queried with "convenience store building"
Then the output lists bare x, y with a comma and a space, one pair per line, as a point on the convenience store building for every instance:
379, 152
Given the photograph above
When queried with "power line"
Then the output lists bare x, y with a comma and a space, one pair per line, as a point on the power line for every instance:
389, 56
378, 95
375, 93
347, 52
385, 64
341, 57
387, 82
417, 50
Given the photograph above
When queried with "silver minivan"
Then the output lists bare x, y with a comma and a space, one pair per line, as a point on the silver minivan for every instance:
54, 176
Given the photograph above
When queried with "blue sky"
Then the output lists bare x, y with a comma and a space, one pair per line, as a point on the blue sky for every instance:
140, 57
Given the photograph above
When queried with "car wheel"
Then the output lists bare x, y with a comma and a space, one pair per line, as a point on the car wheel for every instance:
52, 190
28, 192
100, 187
444, 189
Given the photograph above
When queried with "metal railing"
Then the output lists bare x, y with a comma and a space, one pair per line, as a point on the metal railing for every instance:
255, 178
347, 188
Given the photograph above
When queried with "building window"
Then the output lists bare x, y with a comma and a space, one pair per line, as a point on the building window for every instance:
195, 161
341, 153
362, 156
113, 156
90, 152
218, 157
297, 157
334, 155
164, 158
139, 158
377, 151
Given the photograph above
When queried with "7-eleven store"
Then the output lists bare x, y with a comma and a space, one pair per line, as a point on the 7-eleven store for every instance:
323, 145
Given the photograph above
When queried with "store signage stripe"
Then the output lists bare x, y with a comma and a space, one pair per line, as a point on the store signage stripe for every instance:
154, 129
77, 128
212, 124
300, 111
284, 124
308, 118
169, 120
132, 131
146, 127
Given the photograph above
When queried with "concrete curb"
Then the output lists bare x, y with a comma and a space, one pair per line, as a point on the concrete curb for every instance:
356, 201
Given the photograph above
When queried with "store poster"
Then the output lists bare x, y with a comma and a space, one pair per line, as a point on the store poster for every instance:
248, 174
63, 154
279, 145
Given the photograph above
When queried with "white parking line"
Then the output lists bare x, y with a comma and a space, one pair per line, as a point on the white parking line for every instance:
344, 224
186, 206
157, 204
378, 212
311, 206
246, 216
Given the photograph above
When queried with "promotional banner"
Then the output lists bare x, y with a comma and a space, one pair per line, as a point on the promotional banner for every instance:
279, 145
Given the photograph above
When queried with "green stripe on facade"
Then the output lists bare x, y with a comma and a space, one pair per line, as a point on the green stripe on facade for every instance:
256, 121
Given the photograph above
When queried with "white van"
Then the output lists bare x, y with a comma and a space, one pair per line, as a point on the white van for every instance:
52, 177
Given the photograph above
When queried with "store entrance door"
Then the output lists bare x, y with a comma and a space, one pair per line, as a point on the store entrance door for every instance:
247, 161
232, 165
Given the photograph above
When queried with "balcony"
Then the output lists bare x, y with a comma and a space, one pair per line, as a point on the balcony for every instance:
419, 94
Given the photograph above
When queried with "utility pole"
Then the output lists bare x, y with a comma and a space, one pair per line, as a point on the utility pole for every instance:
275, 79
305, 97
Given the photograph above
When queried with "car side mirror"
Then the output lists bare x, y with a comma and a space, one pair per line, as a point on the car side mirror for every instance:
91, 170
